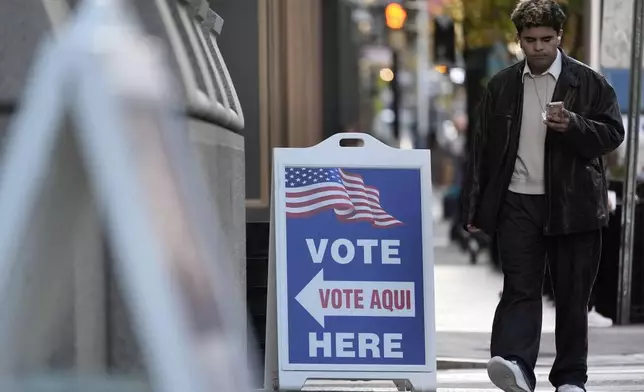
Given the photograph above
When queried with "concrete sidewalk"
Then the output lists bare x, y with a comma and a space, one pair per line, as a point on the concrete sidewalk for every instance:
466, 298
616, 346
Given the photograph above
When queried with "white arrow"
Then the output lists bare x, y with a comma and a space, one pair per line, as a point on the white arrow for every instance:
356, 298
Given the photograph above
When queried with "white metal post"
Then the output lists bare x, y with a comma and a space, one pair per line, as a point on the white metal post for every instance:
632, 148
594, 31
422, 67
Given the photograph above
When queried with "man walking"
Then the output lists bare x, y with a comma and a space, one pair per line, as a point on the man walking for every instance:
535, 178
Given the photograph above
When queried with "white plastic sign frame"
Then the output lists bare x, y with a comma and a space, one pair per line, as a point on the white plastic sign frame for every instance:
330, 154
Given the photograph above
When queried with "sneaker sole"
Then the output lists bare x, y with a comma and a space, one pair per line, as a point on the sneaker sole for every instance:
504, 378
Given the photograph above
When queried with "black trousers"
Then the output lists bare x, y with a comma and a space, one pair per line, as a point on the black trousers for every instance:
547, 287
573, 261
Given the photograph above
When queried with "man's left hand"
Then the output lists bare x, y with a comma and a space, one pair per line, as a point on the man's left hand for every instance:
558, 122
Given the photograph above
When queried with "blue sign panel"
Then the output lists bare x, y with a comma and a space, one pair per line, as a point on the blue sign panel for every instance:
354, 263
621, 81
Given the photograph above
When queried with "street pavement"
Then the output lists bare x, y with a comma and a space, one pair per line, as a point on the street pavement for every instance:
466, 298
600, 379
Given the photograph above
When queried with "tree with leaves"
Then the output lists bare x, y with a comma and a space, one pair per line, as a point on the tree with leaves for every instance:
486, 22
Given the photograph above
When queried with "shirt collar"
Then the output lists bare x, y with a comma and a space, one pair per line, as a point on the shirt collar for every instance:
554, 70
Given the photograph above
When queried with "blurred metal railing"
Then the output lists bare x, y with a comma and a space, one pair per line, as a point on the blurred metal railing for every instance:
191, 29
108, 77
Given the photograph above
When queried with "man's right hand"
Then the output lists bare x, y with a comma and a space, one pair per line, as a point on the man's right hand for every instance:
472, 229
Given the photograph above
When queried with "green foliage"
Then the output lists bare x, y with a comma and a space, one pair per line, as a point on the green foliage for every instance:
488, 21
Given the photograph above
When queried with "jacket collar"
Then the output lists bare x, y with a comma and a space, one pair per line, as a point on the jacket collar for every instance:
554, 69
567, 78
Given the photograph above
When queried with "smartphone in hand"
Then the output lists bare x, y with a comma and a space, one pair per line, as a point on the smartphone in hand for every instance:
555, 109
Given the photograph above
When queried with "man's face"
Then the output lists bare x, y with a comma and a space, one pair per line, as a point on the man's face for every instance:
540, 47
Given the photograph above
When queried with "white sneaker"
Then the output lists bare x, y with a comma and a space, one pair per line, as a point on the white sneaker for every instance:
569, 388
596, 320
507, 375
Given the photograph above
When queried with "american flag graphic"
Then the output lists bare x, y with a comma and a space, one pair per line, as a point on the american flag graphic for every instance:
313, 190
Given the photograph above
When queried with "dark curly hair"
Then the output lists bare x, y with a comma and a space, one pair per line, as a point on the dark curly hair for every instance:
538, 13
